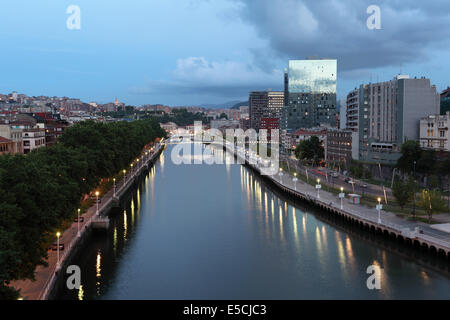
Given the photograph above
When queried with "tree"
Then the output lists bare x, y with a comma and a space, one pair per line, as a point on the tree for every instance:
411, 152
432, 202
41, 190
310, 149
223, 116
403, 191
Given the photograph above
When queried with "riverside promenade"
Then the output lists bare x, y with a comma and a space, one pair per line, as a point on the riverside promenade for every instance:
46, 277
435, 241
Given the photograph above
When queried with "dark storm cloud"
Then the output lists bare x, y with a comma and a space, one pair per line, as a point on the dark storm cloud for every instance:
337, 29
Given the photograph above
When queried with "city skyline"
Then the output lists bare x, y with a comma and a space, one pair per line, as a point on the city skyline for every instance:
142, 53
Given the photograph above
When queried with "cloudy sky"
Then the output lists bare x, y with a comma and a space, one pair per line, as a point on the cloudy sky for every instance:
187, 52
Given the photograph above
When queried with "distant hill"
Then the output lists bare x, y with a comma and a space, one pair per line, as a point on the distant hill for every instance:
240, 104
226, 105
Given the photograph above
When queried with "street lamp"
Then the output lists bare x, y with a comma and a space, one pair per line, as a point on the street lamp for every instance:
379, 207
114, 179
96, 194
295, 180
124, 176
342, 196
414, 178
353, 185
318, 187
78, 234
281, 173
58, 234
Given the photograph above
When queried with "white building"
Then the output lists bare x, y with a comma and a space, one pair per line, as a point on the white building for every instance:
434, 132
33, 139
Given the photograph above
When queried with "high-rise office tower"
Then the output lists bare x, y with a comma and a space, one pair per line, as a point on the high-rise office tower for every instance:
388, 113
264, 104
310, 94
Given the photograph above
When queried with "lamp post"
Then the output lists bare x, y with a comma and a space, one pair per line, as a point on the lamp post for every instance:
281, 174
379, 207
58, 234
124, 176
318, 187
131, 165
78, 233
353, 185
307, 176
295, 180
414, 202
114, 179
96, 194
342, 196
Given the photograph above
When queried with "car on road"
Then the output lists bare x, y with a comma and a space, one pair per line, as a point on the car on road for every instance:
364, 186
335, 174
81, 219
347, 180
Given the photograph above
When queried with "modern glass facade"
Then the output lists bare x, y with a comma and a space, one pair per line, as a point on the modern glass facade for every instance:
310, 94
312, 76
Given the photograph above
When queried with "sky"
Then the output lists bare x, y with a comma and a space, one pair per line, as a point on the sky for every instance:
192, 52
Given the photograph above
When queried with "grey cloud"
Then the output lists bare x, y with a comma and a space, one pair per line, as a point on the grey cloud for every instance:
337, 29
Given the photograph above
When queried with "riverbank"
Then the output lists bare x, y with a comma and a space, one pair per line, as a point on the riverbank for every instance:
431, 240
46, 277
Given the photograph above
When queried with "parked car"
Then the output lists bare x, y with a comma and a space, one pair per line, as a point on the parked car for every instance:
364, 186
81, 219
347, 180
335, 174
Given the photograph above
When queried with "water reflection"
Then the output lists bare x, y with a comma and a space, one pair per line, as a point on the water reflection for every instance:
170, 240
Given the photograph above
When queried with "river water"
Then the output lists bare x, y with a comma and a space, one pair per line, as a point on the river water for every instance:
221, 232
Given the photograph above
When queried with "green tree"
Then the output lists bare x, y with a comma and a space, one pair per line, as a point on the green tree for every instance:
403, 191
432, 202
310, 149
411, 152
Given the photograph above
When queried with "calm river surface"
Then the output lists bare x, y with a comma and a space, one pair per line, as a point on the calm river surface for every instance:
219, 232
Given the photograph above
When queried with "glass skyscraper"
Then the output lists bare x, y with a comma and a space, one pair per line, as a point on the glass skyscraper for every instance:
310, 94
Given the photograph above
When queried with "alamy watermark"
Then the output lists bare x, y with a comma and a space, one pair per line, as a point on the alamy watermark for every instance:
255, 148
73, 22
374, 280
374, 20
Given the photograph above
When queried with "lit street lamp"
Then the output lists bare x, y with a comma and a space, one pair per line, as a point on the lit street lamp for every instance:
78, 234
342, 196
124, 176
96, 194
318, 187
379, 208
58, 234
295, 180
114, 179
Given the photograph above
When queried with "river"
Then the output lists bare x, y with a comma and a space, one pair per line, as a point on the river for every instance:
220, 232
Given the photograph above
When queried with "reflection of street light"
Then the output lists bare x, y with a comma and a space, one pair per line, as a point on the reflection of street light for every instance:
342, 196
295, 180
58, 234
379, 207
96, 194
318, 187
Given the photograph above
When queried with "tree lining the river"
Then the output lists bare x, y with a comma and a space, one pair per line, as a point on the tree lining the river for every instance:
41, 190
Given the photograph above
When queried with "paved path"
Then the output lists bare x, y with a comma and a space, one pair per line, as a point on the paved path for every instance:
388, 219
46, 276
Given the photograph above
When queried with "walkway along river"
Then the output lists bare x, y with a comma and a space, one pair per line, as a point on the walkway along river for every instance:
220, 232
